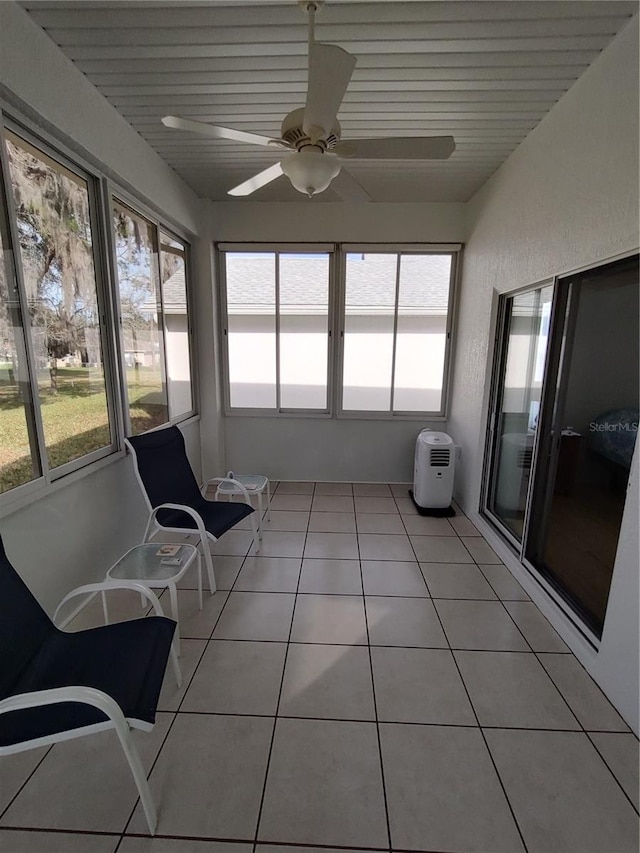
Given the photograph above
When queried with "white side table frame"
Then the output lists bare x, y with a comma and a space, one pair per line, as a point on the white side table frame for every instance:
255, 484
144, 564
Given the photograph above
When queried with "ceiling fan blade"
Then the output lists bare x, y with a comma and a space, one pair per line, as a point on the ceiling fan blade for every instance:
398, 148
260, 180
348, 188
330, 69
218, 132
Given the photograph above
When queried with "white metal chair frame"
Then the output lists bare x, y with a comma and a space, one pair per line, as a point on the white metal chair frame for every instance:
266, 487
154, 527
98, 699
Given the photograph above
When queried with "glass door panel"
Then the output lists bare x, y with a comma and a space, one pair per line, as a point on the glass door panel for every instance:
577, 513
517, 403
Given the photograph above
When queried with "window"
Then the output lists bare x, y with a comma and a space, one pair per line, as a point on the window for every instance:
66, 389
55, 404
154, 322
277, 330
394, 342
396, 328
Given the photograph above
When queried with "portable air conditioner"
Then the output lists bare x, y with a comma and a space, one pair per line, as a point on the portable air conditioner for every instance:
433, 470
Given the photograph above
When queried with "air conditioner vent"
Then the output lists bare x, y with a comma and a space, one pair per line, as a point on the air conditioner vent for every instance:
440, 457
523, 458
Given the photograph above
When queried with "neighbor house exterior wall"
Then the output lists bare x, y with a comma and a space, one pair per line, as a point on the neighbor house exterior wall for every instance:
566, 198
74, 533
346, 449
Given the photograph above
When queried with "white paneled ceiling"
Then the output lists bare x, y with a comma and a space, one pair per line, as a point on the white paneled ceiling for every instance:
485, 72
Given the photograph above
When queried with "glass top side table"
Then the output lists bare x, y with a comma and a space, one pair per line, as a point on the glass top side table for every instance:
255, 484
159, 566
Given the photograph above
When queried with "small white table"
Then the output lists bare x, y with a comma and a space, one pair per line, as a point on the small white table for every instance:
159, 566
255, 484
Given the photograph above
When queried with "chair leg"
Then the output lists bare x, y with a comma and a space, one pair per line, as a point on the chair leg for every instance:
206, 553
256, 533
139, 776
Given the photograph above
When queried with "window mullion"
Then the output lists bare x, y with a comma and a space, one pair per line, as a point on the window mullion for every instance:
395, 335
277, 323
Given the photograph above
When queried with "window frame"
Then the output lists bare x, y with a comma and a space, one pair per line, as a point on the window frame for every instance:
117, 195
58, 154
277, 249
101, 188
336, 326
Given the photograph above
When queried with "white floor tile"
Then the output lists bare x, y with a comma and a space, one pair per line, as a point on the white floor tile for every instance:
269, 574
234, 543
276, 543
290, 503
621, 753
237, 677
386, 505
456, 580
171, 695
329, 619
563, 795
324, 785
333, 546
294, 488
196, 623
333, 682
511, 689
443, 792
332, 522
14, 772
332, 503
482, 625
225, 570
341, 489
378, 522
536, 628
340, 577
209, 777
419, 686
406, 506
17, 841
176, 845
463, 527
288, 520
585, 698
387, 577
372, 490
385, 546
409, 622
256, 616
480, 550
440, 549
424, 525
400, 490
86, 783
503, 582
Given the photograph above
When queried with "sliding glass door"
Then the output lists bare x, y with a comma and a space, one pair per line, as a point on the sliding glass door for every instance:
563, 424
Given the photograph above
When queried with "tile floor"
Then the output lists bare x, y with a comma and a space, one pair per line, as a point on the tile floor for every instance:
372, 680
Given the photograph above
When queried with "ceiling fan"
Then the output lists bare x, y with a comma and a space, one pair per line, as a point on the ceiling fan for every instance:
312, 133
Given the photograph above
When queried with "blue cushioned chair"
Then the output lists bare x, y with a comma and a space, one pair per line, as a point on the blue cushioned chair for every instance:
175, 501
57, 685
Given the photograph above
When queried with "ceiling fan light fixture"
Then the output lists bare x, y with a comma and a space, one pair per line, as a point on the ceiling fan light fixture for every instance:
310, 172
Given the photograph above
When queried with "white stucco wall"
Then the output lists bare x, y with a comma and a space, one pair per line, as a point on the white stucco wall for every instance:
329, 449
566, 198
72, 535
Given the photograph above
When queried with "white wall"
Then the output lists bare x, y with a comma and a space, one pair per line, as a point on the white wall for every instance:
566, 198
74, 534
329, 449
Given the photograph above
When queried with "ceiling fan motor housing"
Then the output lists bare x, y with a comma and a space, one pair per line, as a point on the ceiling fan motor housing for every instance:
291, 131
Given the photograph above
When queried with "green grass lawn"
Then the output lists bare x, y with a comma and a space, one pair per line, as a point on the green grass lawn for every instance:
75, 419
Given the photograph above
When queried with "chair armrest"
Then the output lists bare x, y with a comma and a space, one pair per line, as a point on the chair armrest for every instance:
235, 483
94, 588
76, 693
183, 508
